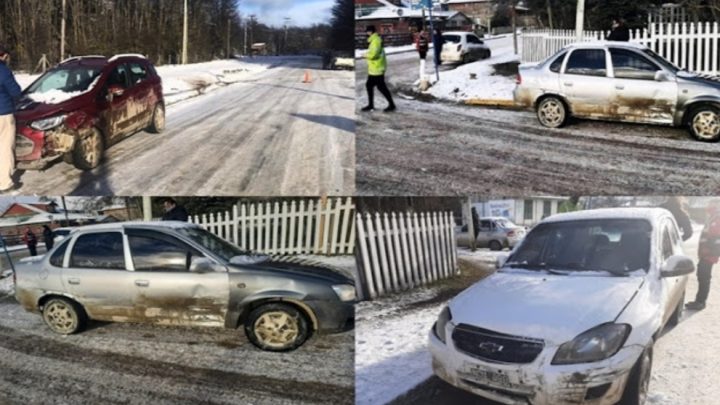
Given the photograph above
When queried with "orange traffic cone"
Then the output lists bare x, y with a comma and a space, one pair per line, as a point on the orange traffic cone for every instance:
308, 78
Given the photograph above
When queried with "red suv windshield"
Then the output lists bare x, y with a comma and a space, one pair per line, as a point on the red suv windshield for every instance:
67, 79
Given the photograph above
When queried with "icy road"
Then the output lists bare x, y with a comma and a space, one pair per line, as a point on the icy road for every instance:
269, 134
439, 148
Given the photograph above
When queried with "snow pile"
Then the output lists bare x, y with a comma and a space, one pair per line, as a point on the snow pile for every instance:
6, 283
391, 346
475, 81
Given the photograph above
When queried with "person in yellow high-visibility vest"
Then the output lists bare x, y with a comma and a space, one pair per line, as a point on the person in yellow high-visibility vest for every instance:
377, 65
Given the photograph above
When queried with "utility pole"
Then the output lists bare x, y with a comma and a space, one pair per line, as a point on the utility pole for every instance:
185, 34
287, 22
580, 20
514, 26
62, 30
245, 39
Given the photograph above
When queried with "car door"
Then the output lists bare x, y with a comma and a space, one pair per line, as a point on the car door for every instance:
637, 96
95, 273
166, 291
485, 232
474, 46
586, 84
142, 104
117, 117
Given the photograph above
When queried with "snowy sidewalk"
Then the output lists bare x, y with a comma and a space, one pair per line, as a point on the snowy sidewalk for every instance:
391, 333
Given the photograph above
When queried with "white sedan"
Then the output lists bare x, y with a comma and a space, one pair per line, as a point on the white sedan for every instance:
463, 47
572, 314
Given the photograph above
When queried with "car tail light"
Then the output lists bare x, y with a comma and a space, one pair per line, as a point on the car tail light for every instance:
510, 234
459, 47
518, 79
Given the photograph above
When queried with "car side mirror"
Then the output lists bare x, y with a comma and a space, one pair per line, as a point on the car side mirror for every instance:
500, 260
662, 76
202, 265
677, 265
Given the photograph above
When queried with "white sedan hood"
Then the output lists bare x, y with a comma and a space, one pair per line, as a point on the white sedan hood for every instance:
555, 308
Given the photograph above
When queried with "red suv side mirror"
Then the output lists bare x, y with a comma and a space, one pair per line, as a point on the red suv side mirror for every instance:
116, 91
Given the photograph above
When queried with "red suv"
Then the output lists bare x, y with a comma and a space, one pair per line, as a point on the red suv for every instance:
84, 105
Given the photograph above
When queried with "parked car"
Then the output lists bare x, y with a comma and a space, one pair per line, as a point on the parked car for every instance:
84, 105
176, 273
571, 315
620, 81
495, 233
61, 233
463, 47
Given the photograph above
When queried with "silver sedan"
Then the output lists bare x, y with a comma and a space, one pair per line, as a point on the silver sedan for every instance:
623, 82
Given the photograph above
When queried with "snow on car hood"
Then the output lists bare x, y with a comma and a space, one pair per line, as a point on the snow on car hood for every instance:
56, 96
555, 308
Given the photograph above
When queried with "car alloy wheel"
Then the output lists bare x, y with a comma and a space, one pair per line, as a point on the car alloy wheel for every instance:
706, 125
61, 316
551, 112
277, 327
88, 150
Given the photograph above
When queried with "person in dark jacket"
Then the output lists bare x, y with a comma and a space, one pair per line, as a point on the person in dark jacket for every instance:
620, 31
675, 206
438, 42
9, 93
48, 237
30, 241
174, 212
422, 44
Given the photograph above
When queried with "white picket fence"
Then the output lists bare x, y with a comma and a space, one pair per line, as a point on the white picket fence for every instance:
401, 251
692, 46
291, 227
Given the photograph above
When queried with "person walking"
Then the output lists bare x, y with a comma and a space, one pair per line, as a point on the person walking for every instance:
173, 211
30, 241
48, 238
619, 32
9, 93
438, 42
377, 65
708, 255
676, 206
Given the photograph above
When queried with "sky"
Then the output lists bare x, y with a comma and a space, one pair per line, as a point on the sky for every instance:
302, 12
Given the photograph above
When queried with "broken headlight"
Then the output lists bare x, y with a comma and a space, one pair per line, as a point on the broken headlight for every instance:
596, 344
48, 123
345, 292
444, 317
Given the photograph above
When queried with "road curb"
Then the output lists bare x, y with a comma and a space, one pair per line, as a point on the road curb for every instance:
484, 102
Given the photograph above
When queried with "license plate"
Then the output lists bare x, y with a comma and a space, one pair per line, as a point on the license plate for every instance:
483, 375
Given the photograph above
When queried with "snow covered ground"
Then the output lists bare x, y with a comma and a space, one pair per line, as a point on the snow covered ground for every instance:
391, 337
181, 82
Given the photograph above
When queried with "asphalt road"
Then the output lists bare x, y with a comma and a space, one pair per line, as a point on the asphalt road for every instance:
434, 148
270, 135
132, 363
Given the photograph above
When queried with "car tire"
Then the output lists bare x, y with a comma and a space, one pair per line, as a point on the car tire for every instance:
495, 246
88, 150
677, 314
64, 316
636, 388
277, 327
466, 58
704, 123
552, 112
157, 124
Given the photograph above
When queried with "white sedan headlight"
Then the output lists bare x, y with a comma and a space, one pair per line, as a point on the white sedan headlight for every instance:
48, 123
345, 292
596, 344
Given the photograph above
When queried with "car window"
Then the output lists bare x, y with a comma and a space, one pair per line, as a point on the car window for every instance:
587, 62
213, 243
452, 38
473, 39
587, 245
631, 65
154, 251
98, 251
138, 73
67, 79
56, 259
118, 77
667, 246
556, 64
485, 224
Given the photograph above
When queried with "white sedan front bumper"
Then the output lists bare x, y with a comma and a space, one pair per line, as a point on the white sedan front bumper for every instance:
536, 383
